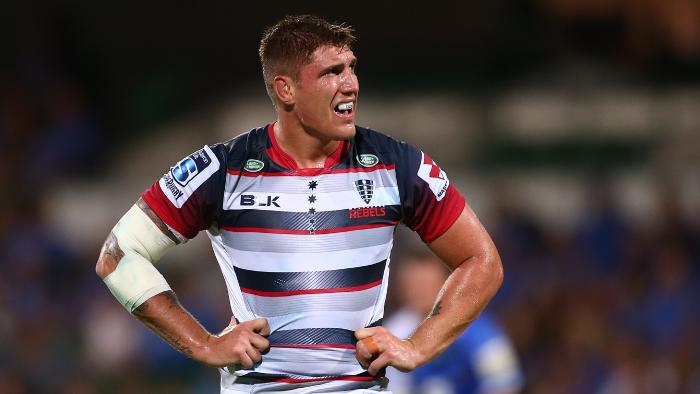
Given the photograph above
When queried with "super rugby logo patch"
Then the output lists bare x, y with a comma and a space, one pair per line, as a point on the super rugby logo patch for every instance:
434, 176
186, 169
187, 175
365, 187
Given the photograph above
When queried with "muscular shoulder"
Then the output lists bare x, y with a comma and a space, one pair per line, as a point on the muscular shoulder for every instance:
389, 149
238, 149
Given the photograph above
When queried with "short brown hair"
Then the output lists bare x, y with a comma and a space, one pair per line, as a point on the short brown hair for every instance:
289, 43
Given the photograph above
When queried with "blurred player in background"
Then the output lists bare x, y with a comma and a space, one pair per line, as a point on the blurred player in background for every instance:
301, 215
481, 361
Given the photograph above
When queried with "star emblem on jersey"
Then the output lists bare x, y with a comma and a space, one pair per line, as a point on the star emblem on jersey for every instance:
312, 199
366, 189
312, 211
313, 185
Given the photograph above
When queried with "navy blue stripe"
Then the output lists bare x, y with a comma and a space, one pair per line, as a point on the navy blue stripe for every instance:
313, 336
290, 281
324, 220
316, 336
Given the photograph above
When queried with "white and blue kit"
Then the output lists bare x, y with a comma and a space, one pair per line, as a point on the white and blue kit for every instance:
307, 249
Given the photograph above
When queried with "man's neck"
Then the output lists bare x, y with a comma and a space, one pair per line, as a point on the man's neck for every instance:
307, 150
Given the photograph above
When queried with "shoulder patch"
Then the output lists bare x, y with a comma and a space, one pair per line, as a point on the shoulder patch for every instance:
368, 160
188, 168
434, 176
188, 174
253, 165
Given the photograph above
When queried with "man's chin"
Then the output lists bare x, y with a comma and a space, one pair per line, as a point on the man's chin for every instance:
345, 132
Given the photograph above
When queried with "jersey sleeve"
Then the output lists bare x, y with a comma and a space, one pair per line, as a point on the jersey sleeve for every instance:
188, 195
429, 201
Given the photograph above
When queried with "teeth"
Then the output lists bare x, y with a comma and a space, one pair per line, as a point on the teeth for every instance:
344, 107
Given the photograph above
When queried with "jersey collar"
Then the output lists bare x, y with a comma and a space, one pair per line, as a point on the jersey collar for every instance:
279, 156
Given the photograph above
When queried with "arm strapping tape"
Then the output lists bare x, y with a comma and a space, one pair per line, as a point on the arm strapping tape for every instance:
136, 279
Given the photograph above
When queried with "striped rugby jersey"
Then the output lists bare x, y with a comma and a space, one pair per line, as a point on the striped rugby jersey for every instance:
308, 249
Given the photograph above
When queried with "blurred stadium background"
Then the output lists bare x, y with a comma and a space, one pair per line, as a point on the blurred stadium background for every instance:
572, 127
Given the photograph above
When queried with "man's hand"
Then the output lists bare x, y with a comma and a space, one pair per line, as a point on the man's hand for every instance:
238, 345
377, 348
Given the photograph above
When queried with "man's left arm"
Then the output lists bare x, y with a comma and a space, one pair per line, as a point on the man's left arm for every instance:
477, 273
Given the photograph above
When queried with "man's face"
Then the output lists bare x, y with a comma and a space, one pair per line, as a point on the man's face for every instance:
325, 99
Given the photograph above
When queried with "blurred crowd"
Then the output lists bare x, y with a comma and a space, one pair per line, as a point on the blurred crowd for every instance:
606, 307
601, 306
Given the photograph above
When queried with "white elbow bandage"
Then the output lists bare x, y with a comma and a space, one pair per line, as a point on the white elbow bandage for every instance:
135, 279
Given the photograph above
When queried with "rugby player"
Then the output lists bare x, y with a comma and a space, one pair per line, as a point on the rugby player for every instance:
301, 214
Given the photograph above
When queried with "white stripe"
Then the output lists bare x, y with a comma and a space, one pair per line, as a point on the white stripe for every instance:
304, 303
295, 202
320, 362
292, 243
352, 320
327, 183
305, 262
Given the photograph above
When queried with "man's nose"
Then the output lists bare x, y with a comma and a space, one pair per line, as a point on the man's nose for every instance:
349, 83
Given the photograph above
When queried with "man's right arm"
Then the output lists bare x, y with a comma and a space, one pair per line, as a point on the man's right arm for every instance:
126, 265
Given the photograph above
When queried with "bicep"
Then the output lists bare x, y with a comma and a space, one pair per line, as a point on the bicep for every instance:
465, 239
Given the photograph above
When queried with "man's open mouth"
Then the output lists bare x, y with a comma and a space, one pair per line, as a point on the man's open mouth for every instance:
344, 108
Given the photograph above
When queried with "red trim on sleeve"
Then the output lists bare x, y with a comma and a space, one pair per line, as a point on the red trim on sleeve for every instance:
438, 216
160, 204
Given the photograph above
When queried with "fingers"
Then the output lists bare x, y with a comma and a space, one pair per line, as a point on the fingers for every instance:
370, 344
377, 348
259, 326
245, 361
363, 333
367, 347
253, 354
259, 342
380, 363
366, 350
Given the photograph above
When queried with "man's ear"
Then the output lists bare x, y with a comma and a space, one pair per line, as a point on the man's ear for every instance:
284, 89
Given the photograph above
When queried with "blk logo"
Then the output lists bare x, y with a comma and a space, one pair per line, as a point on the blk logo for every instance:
366, 189
251, 200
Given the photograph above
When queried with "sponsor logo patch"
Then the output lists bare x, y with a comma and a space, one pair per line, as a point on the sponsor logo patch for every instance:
253, 165
365, 187
187, 175
171, 186
434, 176
367, 160
188, 168
261, 201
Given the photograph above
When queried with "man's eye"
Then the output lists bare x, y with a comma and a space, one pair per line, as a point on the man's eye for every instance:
335, 70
